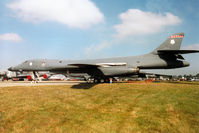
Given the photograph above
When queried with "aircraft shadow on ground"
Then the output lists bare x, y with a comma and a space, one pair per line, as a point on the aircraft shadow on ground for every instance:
83, 86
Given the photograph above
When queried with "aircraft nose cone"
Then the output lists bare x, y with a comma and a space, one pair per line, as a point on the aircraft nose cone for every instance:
10, 68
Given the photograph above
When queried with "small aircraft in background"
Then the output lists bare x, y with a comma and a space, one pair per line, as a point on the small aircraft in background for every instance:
3, 75
167, 56
21, 76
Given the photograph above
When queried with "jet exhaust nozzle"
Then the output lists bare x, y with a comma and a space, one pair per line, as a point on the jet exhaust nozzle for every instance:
186, 64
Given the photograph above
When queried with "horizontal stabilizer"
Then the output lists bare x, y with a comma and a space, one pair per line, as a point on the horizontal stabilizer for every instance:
177, 51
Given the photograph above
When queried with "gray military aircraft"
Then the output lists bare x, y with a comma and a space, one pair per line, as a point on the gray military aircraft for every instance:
166, 56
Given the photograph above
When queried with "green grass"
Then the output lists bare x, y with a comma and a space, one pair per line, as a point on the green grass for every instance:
122, 108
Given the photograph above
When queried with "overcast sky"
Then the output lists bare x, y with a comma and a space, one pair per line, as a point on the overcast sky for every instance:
84, 29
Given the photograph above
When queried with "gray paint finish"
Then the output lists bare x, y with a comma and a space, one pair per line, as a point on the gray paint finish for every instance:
168, 58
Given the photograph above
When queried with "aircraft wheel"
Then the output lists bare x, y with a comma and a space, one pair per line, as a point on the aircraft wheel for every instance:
99, 80
89, 80
102, 80
95, 80
106, 80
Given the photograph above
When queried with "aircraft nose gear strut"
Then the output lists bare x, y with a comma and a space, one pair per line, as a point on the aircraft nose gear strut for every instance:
35, 77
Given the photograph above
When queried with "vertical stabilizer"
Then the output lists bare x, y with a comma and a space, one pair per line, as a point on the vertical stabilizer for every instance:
172, 43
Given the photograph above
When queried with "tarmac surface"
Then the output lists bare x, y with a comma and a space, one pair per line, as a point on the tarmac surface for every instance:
28, 83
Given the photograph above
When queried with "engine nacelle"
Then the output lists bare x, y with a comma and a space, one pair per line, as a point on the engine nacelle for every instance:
119, 71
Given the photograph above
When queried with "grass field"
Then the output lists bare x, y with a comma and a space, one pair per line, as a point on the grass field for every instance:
103, 108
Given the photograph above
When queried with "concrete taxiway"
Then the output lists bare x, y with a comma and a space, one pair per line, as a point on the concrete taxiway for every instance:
28, 83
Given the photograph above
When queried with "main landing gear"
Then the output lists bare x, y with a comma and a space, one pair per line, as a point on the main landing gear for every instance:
99, 80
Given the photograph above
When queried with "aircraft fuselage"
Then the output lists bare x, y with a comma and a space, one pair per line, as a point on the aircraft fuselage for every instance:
119, 65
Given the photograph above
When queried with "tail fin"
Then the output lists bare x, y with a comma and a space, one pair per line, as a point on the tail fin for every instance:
172, 43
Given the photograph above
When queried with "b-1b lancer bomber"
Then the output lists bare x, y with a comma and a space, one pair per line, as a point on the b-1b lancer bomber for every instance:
167, 56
